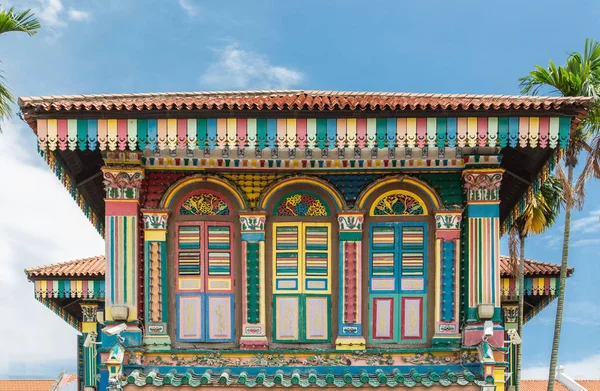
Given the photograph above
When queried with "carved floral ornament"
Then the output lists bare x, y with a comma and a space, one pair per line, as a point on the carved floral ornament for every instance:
319, 359
448, 220
122, 182
155, 219
252, 222
205, 204
89, 312
398, 203
483, 185
351, 222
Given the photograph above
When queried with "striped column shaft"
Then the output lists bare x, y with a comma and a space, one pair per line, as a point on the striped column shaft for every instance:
447, 275
350, 335
122, 184
252, 228
155, 276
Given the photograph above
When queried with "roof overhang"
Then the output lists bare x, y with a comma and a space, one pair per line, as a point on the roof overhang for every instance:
316, 131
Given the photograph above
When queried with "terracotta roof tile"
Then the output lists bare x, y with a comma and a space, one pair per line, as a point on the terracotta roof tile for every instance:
25, 385
297, 100
86, 267
590, 385
94, 266
540, 385
532, 268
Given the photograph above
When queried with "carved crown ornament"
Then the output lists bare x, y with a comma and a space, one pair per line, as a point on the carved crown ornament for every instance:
122, 182
483, 185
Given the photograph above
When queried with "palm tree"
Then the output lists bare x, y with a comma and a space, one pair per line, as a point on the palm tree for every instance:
579, 77
539, 215
11, 21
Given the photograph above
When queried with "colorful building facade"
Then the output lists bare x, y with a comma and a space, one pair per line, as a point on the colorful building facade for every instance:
296, 238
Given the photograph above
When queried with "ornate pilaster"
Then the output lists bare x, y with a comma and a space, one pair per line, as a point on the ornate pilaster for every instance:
155, 278
89, 329
122, 180
252, 227
482, 188
447, 276
350, 335
510, 311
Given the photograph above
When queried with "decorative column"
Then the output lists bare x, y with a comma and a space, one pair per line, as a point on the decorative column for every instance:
511, 319
483, 243
89, 331
253, 281
155, 279
350, 335
447, 276
123, 176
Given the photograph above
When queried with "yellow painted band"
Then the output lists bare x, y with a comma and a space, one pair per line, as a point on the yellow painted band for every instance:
322, 185
169, 197
159, 235
421, 186
87, 327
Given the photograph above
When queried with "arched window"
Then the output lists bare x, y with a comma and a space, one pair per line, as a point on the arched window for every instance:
302, 249
203, 264
398, 261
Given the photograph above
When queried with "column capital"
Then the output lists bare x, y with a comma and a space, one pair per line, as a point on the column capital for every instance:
253, 221
483, 185
155, 219
89, 311
122, 182
447, 223
351, 221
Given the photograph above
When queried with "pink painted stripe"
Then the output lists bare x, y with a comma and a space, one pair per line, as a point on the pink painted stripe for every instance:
361, 132
523, 131
241, 132
122, 133
102, 132
221, 132
301, 132
544, 130
421, 132
182, 133
62, 134
84, 288
482, 129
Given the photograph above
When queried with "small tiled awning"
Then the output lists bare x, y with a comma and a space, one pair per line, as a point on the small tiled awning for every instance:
365, 378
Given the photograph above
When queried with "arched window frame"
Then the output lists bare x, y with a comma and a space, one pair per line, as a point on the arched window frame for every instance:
273, 222
401, 299
203, 299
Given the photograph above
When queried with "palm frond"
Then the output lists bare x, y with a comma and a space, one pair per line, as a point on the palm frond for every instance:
6, 99
24, 21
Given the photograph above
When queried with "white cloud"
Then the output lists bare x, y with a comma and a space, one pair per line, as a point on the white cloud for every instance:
586, 242
237, 68
40, 224
189, 7
52, 14
588, 224
78, 15
584, 369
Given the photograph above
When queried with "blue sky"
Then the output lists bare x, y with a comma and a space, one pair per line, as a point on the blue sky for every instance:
115, 46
